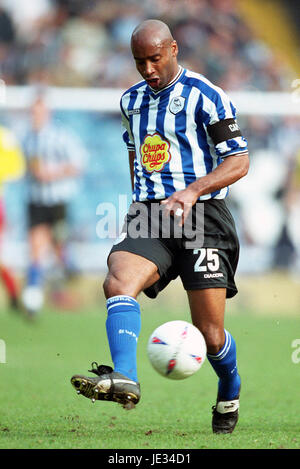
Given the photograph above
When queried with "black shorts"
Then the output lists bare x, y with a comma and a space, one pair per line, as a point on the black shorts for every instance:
211, 264
44, 214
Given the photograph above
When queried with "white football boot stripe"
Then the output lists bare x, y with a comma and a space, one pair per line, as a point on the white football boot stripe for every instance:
223, 407
106, 384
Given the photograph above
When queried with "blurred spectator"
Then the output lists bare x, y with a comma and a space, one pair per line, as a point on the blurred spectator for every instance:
287, 249
293, 214
55, 160
27, 18
12, 167
269, 218
7, 30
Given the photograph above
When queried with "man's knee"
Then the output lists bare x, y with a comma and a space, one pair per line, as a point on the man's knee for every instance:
114, 286
129, 274
214, 338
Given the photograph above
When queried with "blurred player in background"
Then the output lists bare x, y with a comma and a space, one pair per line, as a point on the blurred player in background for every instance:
12, 167
185, 149
55, 160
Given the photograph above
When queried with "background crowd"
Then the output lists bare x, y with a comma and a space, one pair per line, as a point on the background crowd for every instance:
86, 43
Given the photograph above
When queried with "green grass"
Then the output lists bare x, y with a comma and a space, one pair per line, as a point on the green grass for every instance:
40, 409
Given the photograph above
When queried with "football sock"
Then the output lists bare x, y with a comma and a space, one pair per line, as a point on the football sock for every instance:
35, 275
225, 365
123, 326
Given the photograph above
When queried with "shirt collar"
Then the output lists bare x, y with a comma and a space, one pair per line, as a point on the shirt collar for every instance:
180, 71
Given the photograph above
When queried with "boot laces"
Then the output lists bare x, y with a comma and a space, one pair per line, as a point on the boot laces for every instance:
100, 369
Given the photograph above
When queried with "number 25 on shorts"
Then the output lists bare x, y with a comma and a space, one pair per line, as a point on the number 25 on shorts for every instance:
208, 260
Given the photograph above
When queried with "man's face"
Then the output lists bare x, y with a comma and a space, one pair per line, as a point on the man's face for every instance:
156, 61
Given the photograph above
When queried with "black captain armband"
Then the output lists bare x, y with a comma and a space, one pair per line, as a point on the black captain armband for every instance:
223, 130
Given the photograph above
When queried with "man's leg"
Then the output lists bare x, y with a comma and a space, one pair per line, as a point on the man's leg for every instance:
207, 311
39, 243
64, 267
128, 275
10, 285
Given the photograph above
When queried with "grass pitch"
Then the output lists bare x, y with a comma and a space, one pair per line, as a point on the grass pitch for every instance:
40, 409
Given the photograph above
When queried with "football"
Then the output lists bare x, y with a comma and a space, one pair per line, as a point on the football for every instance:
33, 298
176, 349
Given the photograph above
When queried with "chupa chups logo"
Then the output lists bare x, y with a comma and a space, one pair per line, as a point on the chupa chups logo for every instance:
155, 153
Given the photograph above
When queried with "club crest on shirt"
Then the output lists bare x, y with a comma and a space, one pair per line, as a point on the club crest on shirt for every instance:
155, 152
177, 104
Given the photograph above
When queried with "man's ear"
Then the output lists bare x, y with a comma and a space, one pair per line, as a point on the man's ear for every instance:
174, 48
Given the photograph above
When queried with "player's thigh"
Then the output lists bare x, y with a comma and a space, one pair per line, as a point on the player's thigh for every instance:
207, 308
129, 274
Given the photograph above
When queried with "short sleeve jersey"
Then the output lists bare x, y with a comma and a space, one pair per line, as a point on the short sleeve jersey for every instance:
179, 134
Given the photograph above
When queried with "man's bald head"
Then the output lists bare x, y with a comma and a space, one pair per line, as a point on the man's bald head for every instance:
155, 52
154, 31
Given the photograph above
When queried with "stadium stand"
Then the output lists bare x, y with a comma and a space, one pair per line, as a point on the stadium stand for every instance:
65, 42
275, 27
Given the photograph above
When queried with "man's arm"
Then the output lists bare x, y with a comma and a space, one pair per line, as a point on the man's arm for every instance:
131, 156
232, 169
228, 172
42, 173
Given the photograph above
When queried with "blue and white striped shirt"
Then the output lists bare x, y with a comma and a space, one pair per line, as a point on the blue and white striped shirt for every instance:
53, 146
168, 130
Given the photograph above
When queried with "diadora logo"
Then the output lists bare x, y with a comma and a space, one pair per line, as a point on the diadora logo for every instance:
216, 275
131, 112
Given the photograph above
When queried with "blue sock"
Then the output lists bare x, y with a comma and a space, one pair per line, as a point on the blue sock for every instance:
35, 275
123, 326
225, 365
